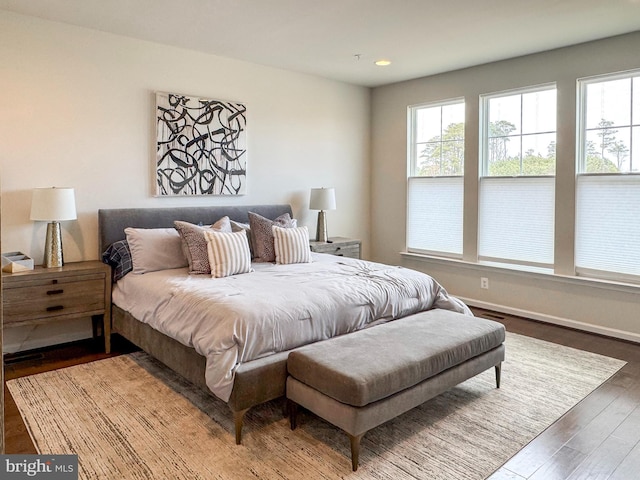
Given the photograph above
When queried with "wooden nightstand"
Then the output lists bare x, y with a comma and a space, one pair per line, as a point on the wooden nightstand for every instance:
343, 247
42, 295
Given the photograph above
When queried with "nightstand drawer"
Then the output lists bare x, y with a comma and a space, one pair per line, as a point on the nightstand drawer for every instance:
36, 299
352, 251
340, 246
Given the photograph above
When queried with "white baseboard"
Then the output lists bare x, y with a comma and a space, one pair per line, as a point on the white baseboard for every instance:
565, 322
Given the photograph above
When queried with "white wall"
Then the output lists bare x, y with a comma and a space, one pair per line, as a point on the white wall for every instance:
559, 298
77, 109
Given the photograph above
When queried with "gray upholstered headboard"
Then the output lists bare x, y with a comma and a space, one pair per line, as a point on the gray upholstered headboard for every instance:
112, 222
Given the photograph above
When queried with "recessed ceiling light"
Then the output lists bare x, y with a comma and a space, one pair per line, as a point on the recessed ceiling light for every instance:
383, 63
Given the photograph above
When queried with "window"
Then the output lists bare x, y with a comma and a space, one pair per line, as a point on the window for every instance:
608, 183
610, 125
517, 184
435, 184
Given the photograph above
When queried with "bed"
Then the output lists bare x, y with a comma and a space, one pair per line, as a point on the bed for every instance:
253, 369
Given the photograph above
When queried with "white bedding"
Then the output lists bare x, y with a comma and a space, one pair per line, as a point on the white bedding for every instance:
275, 308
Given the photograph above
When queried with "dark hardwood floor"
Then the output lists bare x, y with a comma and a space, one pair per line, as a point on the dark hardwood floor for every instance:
597, 439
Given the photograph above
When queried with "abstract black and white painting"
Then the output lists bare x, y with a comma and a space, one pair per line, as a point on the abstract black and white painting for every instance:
201, 146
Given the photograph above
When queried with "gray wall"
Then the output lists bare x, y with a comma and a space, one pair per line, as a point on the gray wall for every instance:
560, 298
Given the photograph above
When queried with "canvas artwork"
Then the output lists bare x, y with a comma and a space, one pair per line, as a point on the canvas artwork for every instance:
201, 146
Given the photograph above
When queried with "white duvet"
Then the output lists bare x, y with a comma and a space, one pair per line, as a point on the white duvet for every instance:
275, 308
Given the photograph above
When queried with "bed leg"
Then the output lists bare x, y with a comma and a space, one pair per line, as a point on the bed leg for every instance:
238, 417
498, 372
355, 450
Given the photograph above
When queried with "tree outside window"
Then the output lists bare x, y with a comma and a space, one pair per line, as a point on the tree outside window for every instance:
521, 137
612, 126
439, 134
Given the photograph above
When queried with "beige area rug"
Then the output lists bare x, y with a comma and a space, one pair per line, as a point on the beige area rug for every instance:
131, 418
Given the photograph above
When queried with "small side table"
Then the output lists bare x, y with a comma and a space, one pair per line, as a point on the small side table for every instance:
43, 295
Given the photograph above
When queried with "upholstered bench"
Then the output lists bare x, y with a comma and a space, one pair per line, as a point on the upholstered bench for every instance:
363, 379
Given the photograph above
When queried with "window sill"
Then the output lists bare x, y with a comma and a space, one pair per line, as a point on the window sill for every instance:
526, 271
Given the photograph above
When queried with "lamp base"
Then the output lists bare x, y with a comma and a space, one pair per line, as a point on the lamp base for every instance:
321, 229
53, 246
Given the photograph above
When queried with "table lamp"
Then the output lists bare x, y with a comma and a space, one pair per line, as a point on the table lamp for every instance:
53, 205
322, 199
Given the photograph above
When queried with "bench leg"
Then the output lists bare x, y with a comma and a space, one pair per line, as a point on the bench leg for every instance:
238, 417
293, 413
355, 450
498, 372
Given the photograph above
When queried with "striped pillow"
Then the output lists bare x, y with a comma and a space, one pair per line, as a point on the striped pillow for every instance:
262, 235
194, 244
228, 253
291, 245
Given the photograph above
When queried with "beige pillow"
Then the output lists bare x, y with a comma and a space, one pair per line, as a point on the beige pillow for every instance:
291, 245
228, 253
154, 249
194, 244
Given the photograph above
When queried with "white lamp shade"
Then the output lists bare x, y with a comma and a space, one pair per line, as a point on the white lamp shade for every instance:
53, 204
322, 199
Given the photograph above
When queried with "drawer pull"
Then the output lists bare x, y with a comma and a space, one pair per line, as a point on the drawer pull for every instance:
339, 254
55, 308
55, 292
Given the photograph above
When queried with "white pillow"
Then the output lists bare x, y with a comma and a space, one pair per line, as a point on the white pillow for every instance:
291, 245
155, 249
228, 253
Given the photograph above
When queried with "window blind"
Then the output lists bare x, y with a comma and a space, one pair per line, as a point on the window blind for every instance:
608, 226
434, 215
516, 220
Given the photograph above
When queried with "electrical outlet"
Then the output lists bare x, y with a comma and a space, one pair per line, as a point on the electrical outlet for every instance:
484, 283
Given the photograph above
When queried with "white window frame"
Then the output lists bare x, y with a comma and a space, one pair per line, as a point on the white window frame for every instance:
449, 182
484, 121
511, 255
617, 269
581, 104
412, 138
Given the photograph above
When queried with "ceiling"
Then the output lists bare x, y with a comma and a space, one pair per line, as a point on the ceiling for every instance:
323, 37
